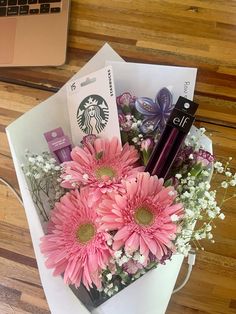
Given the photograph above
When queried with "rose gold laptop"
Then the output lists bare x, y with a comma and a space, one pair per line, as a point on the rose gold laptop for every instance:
33, 32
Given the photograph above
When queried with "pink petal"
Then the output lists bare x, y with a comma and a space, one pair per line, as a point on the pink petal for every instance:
143, 246
123, 233
151, 244
133, 242
117, 245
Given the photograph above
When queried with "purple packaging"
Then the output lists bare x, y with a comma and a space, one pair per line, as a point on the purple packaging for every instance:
59, 144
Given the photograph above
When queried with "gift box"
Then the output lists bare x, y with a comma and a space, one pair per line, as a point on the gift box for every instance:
149, 294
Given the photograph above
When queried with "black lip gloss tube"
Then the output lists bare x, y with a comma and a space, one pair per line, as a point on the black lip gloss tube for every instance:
177, 127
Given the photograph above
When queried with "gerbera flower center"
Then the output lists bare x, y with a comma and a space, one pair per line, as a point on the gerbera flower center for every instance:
143, 216
105, 171
85, 232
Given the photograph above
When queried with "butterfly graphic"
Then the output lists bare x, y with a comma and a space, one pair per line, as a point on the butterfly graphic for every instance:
155, 113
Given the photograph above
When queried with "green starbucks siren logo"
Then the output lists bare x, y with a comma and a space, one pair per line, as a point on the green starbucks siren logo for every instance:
92, 114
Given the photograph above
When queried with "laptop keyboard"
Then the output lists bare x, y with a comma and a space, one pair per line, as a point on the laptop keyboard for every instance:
29, 7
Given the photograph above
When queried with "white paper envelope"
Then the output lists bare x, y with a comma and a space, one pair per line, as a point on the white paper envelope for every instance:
145, 80
148, 295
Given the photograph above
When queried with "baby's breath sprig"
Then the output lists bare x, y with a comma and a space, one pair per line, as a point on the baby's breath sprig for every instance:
43, 173
201, 205
229, 181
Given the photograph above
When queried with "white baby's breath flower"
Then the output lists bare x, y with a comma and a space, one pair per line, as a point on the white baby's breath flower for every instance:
186, 142
205, 173
208, 228
209, 235
68, 177
211, 214
188, 213
52, 160
32, 160
217, 164
109, 242
135, 139
136, 256
203, 235
47, 166
221, 216
37, 176
178, 176
142, 259
224, 184
190, 183
118, 254
190, 156
134, 126
128, 253
171, 193
174, 217
228, 174
201, 185
186, 194
39, 158
220, 169
197, 236
232, 182
109, 277
124, 259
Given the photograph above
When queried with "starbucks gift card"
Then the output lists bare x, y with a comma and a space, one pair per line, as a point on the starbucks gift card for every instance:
92, 106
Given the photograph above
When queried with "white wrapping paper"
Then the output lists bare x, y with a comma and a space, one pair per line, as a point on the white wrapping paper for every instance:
148, 295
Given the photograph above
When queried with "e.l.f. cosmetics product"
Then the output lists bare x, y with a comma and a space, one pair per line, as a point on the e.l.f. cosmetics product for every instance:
59, 144
177, 127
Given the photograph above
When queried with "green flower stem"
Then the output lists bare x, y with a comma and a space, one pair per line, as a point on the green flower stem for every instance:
224, 196
229, 198
37, 199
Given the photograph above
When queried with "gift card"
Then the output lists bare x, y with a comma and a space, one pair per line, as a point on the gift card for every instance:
92, 106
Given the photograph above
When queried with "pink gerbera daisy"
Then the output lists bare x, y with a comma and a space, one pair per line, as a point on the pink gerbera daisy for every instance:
74, 245
102, 166
142, 216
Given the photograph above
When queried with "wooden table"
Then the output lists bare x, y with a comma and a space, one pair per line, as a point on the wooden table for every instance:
172, 32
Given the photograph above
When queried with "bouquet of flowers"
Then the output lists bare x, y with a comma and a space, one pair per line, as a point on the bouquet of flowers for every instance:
108, 221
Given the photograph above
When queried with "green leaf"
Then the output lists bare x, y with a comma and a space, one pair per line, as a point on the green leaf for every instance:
99, 155
196, 170
124, 137
126, 109
168, 182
